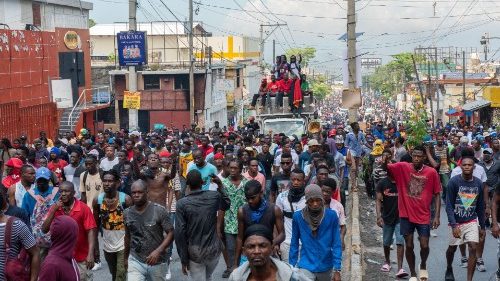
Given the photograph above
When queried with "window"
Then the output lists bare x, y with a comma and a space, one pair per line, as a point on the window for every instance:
181, 82
151, 82
37, 17
238, 76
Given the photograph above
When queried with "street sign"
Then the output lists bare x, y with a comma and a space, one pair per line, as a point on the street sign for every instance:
132, 48
131, 100
351, 98
371, 62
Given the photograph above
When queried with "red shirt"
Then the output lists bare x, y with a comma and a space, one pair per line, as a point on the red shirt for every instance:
206, 150
416, 190
82, 214
286, 85
273, 87
57, 168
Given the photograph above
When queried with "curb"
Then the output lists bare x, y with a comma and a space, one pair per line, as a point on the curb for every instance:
352, 256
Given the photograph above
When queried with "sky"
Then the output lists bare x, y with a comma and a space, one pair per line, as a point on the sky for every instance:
389, 26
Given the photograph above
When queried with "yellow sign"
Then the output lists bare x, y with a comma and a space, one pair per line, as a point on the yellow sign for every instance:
230, 98
492, 93
71, 40
131, 100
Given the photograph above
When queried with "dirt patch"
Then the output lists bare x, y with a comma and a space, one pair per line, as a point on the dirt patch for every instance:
371, 238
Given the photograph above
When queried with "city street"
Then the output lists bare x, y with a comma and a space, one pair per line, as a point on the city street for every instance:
436, 263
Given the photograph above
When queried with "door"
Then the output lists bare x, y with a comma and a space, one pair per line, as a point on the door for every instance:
72, 67
144, 120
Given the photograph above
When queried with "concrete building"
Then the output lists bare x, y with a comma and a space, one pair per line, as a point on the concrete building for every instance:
226, 67
44, 61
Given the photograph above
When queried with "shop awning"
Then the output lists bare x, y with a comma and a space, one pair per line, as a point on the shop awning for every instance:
453, 112
475, 105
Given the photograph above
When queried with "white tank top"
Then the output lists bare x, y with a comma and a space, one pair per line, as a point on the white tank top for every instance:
19, 194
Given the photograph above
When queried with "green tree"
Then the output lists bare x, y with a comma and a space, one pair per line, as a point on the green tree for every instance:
308, 53
320, 87
390, 78
91, 23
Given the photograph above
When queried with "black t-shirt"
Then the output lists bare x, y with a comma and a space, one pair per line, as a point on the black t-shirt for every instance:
280, 183
266, 160
390, 213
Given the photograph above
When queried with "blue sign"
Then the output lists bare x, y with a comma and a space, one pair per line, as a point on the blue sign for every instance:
132, 48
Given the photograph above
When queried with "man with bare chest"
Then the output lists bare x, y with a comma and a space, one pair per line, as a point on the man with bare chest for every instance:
157, 180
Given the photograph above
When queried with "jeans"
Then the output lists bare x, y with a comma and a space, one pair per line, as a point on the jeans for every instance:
230, 248
138, 271
203, 271
85, 274
171, 247
116, 265
268, 188
306, 275
388, 233
445, 178
262, 99
279, 99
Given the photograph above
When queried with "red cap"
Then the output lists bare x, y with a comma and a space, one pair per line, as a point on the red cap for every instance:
165, 154
218, 156
332, 132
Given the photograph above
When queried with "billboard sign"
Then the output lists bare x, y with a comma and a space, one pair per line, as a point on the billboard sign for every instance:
132, 48
371, 62
131, 100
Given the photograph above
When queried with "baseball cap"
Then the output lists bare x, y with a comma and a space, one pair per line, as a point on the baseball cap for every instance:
339, 139
488, 151
312, 142
332, 132
43, 172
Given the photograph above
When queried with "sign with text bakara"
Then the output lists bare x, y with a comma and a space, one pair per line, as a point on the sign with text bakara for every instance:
132, 48
131, 100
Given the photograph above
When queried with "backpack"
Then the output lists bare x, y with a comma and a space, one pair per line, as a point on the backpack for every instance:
18, 268
39, 215
86, 173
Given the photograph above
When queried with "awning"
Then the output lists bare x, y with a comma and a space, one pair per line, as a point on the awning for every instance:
454, 112
475, 105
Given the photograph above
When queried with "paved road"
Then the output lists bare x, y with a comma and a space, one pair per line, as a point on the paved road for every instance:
437, 259
103, 273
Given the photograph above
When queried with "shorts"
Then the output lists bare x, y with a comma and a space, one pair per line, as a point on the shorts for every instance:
407, 228
388, 232
469, 232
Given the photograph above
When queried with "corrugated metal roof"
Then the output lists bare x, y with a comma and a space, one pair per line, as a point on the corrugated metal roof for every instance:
475, 105
152, 28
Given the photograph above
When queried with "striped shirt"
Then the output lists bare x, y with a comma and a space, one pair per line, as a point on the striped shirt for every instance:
20, 237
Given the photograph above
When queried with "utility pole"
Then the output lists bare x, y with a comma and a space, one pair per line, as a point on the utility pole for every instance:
133, 114
263, 39
437, 82
191, 64
351, 53
463, 77
274, 50
429, 92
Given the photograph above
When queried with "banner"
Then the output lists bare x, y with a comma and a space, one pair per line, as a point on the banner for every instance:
131, 100
132, 48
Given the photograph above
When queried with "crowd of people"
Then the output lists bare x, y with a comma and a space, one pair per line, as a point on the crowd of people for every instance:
272, 206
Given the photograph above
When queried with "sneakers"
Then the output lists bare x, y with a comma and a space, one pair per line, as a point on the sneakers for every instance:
97, 266
449, 275
463, 262
346, 193
480, 265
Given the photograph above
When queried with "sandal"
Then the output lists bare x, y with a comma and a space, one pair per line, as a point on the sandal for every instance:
423, 275
226, 273
413, 279
401, 273
386, 267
